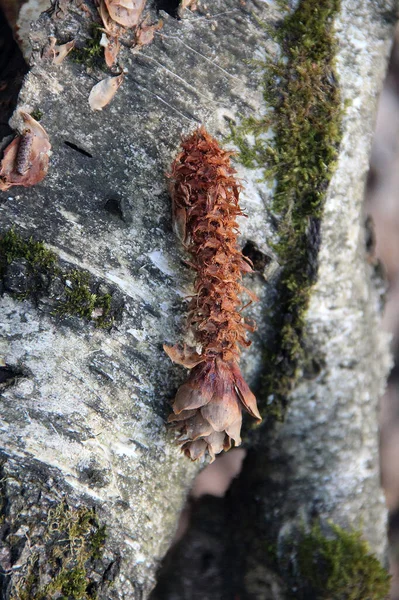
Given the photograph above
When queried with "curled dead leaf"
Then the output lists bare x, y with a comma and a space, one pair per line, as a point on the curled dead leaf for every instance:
103, 92
57, 53
26, 158
62, 51
125, 12
109, 24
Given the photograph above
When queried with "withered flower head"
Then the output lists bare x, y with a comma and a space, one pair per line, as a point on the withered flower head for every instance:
207, 408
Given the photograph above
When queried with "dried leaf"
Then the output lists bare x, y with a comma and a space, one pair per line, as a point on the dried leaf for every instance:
48, 51
109, 24
26, 158
62, 51
103, 92
191, 4
111, 46
125, 12
145, 33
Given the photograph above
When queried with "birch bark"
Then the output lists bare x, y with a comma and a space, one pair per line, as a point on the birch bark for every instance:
83, 436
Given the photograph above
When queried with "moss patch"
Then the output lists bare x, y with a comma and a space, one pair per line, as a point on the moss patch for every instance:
37, 114
73, 540
73, 292
338, 567
91, 55
305, 120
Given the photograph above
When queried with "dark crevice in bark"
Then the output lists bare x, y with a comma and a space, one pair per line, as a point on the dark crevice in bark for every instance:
169, 6
259, 259
8, 376
78, 149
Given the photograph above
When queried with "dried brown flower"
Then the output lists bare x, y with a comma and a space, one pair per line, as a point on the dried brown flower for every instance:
207, 408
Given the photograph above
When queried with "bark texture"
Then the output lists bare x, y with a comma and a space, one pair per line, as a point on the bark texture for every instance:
83, 434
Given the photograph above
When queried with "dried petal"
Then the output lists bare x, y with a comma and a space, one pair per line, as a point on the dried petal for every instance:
197, 427
183, 356
195, 450
216, 443
26, 158
103, 92
125, 12
222, 412
234, 430
185, 414
244, 393
188, 397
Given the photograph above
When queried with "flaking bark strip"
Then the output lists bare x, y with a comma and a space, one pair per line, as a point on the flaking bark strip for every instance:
30, 270
302, 89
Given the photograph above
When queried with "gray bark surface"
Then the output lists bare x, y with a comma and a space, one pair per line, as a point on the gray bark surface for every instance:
83, 420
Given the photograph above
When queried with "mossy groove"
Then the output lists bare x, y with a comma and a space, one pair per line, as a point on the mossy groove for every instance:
75, 293
302, 90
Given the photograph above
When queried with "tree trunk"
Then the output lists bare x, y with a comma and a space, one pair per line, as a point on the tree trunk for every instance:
92, 481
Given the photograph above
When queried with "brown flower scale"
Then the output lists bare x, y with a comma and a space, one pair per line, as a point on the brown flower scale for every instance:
207, 408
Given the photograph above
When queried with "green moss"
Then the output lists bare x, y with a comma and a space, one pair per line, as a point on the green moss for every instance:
305, 120
37, 114
77, 296
91, 55
72, 542
12, 246
82, 302
338, 567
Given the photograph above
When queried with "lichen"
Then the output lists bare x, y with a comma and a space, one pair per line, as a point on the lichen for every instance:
76, 294
72, 541
301, 89
339, 566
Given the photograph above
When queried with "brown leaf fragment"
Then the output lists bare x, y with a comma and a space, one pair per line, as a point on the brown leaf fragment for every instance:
57, 53
145, 33
62, 51
111, 46
26, 158
191, 4
125, 12
109, 24
104, 91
